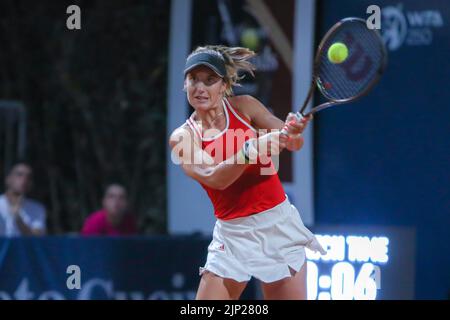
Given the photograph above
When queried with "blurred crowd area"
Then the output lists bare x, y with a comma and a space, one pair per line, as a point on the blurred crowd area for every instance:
93, 111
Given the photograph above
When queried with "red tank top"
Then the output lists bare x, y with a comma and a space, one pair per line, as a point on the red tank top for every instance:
252, 192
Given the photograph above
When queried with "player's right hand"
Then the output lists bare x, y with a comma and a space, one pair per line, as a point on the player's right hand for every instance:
270, 144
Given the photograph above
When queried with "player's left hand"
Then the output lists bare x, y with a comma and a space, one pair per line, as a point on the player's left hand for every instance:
295, 127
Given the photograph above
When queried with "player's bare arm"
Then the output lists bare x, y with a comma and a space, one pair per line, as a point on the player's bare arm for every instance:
262, 118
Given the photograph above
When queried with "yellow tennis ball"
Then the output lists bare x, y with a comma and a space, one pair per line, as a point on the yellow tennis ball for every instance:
337, 53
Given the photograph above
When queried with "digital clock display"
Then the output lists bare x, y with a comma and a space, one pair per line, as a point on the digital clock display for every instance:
362, 266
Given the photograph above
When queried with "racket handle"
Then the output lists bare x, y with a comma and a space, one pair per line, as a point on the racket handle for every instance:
298, 116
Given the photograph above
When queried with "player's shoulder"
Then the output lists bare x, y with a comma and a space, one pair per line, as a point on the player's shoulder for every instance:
242, 101
244, 104
182, 132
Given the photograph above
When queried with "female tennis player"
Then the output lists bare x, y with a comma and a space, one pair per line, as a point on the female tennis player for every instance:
224, 147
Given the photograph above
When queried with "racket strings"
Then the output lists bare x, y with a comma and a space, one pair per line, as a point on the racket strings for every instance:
350, 82
352, 77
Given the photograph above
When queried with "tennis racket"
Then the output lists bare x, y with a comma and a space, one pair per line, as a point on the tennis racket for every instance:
348, 81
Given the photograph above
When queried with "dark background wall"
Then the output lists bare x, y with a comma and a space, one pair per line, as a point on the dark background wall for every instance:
384, 160
95, 101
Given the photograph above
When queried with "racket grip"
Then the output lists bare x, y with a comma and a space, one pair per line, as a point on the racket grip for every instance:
298, 116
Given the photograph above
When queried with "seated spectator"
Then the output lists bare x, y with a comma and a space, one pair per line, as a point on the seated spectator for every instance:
114, 219
18, 214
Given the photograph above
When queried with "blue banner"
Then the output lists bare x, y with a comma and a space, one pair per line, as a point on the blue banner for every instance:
110, 268
361, 263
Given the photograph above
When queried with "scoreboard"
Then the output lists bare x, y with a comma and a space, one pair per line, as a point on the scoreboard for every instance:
362, 263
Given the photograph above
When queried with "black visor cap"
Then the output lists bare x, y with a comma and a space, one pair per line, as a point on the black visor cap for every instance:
210, 60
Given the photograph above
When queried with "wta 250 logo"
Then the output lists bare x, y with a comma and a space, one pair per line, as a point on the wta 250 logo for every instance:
409, 27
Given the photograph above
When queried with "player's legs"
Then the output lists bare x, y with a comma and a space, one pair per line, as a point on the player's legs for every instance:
292, 288
213, 287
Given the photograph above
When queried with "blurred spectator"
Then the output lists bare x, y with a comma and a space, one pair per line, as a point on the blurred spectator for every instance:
114, 219
19, 215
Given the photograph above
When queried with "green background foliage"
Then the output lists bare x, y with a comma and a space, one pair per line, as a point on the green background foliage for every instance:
95, 102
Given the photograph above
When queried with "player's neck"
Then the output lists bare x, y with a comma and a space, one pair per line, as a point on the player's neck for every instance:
212, 118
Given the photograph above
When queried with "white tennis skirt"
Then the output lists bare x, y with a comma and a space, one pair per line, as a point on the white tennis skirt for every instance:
264, 245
